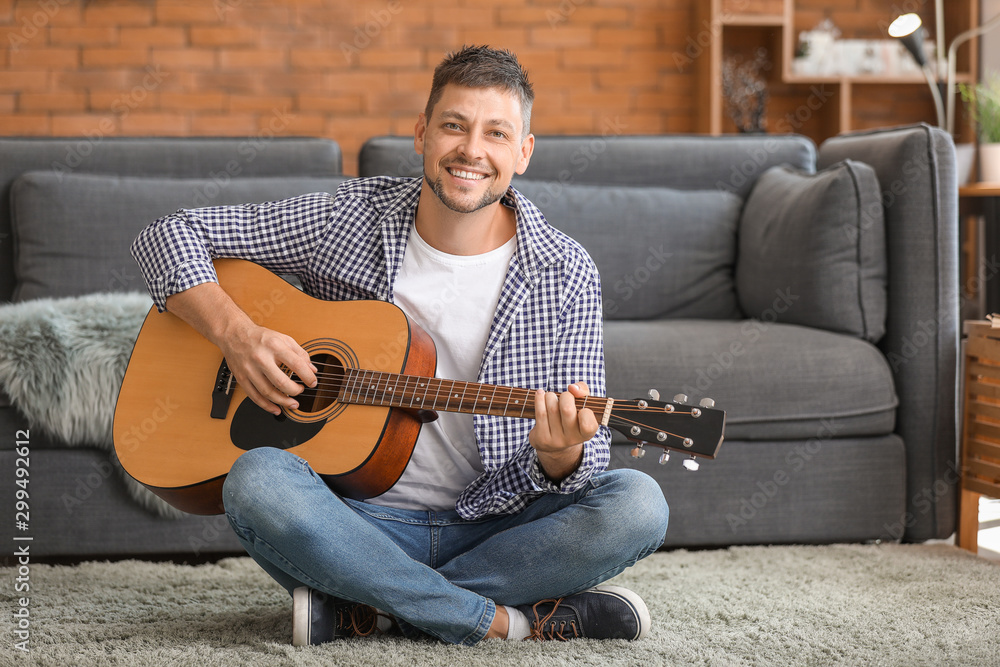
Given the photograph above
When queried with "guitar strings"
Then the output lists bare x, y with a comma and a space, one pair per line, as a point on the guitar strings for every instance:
356, 378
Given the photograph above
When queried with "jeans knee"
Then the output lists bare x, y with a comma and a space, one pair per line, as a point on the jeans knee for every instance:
645, 506
253, 472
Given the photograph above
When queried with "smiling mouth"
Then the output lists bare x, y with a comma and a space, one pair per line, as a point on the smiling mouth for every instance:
467, 175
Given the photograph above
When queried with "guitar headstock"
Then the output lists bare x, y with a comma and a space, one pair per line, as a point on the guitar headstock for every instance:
675, 425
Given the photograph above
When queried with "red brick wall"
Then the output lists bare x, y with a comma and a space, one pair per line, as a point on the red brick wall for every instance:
347, 70
352, 69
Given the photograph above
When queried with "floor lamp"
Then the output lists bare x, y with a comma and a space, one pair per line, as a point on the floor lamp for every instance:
907, 29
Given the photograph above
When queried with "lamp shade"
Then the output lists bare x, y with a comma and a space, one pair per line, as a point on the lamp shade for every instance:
907, 29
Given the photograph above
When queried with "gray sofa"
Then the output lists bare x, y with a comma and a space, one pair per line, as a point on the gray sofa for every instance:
812, 293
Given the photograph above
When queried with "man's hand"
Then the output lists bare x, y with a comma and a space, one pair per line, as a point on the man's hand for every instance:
560, 430
254, 353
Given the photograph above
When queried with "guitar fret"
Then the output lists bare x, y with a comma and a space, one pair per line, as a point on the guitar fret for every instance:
407, 391
363, 388
392, 384
490, 406
475, 399
437, 395
356, 387
351, 387
389, 389
506, 402
420, 398
385, 393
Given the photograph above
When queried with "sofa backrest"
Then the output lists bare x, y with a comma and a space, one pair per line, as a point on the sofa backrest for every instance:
213, 163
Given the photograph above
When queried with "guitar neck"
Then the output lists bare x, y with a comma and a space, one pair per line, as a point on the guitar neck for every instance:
422, 393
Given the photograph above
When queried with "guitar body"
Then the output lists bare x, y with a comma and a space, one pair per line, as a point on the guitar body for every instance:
181, 421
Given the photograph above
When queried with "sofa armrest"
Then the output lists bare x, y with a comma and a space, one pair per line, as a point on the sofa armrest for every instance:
917, 174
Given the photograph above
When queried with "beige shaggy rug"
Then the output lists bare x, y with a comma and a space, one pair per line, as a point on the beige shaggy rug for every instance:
785, 605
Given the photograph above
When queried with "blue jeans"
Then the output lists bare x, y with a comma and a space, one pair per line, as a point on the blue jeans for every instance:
434, 571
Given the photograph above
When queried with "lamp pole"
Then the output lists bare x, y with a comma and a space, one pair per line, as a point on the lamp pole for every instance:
939, 22
952, 51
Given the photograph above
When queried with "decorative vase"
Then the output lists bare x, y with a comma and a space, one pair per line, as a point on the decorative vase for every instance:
965, 159
989, 163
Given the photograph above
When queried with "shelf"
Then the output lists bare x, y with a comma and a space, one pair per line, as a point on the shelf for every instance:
848, 79
757, 20
861, 79
817, 106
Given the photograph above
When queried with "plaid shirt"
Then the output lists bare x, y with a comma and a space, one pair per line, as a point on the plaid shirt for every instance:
546, 331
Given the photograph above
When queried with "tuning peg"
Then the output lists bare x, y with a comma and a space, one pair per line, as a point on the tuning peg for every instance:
681, 398
664, 457
691, 464
707, 403
638, 452
653, 394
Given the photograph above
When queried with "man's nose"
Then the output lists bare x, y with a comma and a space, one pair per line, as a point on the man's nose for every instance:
472, 146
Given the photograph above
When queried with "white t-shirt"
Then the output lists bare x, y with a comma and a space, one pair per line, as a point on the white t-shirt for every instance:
453, 298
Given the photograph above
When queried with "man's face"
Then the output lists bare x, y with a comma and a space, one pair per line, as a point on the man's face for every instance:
472, 146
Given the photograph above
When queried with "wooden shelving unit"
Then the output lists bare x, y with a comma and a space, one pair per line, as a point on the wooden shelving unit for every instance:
819, 106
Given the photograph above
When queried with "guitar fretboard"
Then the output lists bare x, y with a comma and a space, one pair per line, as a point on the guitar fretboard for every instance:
422, 393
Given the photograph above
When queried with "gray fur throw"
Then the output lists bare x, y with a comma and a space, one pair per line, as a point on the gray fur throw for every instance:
62, 362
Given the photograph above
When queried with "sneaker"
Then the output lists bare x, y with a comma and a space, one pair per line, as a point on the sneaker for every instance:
605, 612
318, 618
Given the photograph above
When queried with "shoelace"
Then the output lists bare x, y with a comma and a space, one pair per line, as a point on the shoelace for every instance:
359, 620
555, 629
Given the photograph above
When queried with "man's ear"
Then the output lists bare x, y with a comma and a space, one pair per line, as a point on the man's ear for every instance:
527, 148
419, 132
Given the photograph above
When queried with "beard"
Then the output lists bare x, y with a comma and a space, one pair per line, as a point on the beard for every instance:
437, 185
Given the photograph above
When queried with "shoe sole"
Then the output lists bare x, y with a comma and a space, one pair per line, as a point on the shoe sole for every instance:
639, 608
301, 614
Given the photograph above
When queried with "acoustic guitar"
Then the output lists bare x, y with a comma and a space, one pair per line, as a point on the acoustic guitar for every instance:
181, 420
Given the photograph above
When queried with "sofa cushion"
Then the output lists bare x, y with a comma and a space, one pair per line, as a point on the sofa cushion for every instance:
73, 231
812, 250
775, 381
661, 252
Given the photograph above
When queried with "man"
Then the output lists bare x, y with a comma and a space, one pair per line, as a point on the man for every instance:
498, 528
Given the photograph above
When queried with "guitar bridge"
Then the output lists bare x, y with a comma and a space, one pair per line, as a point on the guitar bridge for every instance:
222, 392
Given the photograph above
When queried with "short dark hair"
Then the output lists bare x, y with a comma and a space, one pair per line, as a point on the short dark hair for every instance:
483, 67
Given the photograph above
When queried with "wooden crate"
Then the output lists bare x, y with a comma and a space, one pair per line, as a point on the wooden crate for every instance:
980, 455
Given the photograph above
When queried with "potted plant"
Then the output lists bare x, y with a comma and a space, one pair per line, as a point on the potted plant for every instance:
983, 103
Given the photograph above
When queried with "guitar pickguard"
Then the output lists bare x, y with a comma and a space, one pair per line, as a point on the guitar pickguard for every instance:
253, 427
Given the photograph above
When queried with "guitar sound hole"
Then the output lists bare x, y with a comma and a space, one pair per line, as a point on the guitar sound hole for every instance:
331, 378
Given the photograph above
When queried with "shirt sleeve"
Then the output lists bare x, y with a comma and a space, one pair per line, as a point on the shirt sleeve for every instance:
175, 253
574, 352
579, 356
